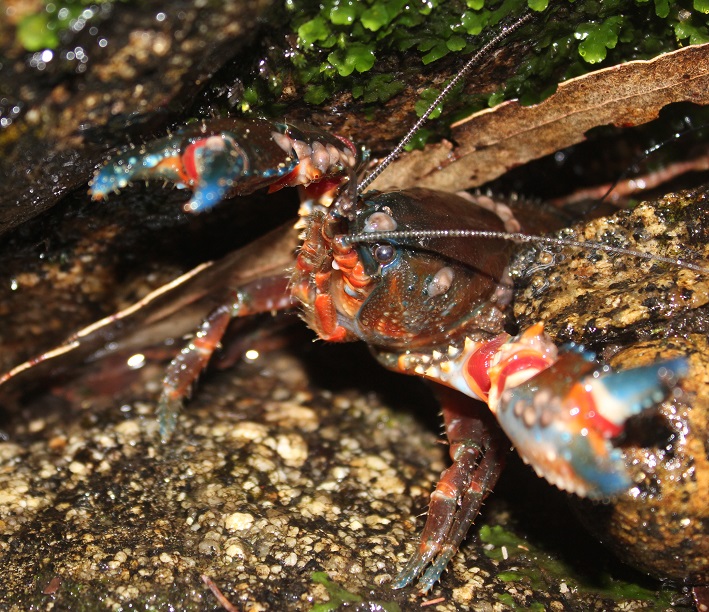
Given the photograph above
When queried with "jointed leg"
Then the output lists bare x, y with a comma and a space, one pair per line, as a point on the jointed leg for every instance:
477, 449
263, 295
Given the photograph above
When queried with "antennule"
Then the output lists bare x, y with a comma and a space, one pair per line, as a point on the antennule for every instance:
519, 237
484, 51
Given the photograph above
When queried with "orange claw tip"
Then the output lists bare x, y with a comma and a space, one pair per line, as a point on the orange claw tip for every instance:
97, 196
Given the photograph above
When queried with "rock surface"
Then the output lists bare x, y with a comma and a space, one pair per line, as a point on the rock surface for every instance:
279, 468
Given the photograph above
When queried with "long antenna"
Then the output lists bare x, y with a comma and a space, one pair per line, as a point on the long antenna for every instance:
484, 51
519, 237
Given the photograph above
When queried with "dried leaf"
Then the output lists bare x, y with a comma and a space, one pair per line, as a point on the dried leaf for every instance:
491, 142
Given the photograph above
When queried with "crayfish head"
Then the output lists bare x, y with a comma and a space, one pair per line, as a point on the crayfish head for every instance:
426, 292
402, 293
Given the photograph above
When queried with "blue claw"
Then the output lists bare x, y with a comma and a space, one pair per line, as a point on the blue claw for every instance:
564, 419
216, 163
137, 163
641, 388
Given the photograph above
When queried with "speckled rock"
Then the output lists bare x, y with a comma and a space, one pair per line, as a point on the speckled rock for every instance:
263, 477
633, 312
661, 526
277, 470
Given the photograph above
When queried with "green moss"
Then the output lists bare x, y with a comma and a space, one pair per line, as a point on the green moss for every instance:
343, 45
339, 596
345, 13
689, 23
43, 30
380, 15
34, 33
662, 8
530, 565
379, 88
686, 29
313, 31
427, 97
418, 140
355, 57
538, 5
316, 95
596, 38
509, 601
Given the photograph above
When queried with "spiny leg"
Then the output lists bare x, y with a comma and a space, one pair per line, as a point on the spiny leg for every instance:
186, 367
482, 482
263, 295
477, 449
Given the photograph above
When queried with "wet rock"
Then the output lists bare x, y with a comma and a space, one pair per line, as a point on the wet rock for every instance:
633, 312
278, 469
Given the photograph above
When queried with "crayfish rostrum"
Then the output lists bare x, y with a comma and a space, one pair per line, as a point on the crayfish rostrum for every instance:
425, 280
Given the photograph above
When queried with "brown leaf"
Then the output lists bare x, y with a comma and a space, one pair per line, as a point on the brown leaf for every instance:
493, 141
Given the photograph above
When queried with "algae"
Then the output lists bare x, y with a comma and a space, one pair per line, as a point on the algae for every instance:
529, 564
339, 596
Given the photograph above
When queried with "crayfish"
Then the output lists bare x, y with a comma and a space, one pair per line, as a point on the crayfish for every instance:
424, 279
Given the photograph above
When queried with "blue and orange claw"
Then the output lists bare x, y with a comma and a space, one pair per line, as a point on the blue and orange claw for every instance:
563, 420
160, 160
221, 158
214, 165
210, 165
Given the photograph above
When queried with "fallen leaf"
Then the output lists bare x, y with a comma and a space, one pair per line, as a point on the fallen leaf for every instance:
491, 142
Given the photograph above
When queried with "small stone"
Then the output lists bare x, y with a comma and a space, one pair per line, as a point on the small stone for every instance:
238, 521
77, 468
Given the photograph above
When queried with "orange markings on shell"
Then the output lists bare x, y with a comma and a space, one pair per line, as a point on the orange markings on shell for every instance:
326, 320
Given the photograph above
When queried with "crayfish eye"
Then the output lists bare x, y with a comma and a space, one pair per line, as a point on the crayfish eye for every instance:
384, 253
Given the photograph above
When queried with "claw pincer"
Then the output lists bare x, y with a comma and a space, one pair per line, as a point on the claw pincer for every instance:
228, 157
564, 417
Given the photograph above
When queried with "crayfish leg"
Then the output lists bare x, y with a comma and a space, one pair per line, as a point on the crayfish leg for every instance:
262, 295
477, 449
